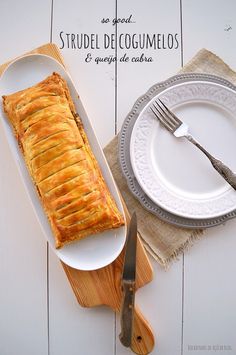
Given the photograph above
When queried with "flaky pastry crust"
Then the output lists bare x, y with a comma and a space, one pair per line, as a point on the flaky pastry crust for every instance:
60, 161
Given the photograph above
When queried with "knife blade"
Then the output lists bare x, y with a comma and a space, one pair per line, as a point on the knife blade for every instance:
128, 283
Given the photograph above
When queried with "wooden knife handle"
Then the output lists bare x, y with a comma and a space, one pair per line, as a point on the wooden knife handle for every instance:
127, 312
143, 339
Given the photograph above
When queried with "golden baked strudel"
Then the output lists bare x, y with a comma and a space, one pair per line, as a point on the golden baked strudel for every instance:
61, 163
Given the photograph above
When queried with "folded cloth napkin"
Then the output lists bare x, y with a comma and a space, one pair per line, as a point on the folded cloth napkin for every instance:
162, 240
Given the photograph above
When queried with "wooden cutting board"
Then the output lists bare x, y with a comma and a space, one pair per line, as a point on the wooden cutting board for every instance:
103, 286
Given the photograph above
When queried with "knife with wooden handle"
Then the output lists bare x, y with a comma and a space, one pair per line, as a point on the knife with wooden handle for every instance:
128, 284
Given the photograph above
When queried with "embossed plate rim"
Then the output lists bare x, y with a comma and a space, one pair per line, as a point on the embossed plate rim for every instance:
124, 152
187, 205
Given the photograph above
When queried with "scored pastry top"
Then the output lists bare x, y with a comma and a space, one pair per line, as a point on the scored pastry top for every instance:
60, 161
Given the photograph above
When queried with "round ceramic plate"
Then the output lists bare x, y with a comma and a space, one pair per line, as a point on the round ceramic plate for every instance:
92, 252
169, 175
171, 171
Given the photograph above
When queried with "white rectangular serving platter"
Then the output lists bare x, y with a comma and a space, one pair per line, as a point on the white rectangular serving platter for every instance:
92, 252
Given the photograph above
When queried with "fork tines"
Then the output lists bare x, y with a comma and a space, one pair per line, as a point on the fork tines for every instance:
165, 116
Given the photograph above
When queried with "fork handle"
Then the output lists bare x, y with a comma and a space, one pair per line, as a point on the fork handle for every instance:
222, 169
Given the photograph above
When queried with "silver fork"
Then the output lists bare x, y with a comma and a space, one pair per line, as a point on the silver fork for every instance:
180, 129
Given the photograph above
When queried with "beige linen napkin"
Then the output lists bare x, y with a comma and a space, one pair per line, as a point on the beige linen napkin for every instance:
162, 240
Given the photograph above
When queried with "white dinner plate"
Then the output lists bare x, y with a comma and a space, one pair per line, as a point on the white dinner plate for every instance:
92, 252
171, 171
